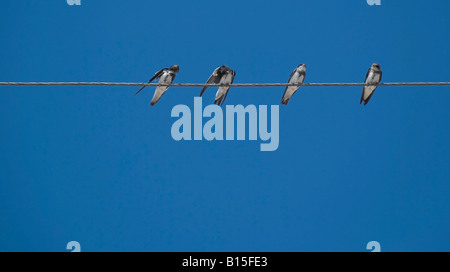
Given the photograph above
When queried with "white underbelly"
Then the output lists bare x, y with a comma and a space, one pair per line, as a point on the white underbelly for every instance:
226, 79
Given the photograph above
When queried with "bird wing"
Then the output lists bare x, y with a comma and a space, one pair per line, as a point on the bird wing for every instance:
290, 77
165, 78
226, 93
157, 75
214, 78
371, 91
290, 90
364, 88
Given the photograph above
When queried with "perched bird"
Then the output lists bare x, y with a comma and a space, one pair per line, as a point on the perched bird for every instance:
297, 77
373, 76
166, 76
221, 75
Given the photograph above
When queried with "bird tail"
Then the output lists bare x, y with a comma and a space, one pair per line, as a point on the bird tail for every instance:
203, 90
155, 99
218, 100
158, 94
284, 101
224, 96
362, 97
140, 90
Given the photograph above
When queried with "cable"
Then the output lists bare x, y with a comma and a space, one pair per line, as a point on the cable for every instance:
216, 85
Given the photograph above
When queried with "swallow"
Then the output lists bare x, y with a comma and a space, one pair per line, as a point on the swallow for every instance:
373, 76
166, 76
297, 77
221, 75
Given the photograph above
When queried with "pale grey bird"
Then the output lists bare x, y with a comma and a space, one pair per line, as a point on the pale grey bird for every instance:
221, 75
166, 76
297, 77
373, 76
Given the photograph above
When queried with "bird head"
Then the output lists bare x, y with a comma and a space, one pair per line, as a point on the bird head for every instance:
174, 68
376, 67
302, 67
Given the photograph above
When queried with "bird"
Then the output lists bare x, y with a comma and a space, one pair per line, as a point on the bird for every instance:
297, 77
373, 76
221, 75
166, 76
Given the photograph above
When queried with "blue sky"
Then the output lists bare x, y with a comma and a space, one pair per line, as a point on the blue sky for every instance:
98, 165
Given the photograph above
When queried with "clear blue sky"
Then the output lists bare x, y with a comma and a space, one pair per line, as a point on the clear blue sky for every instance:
98, 165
